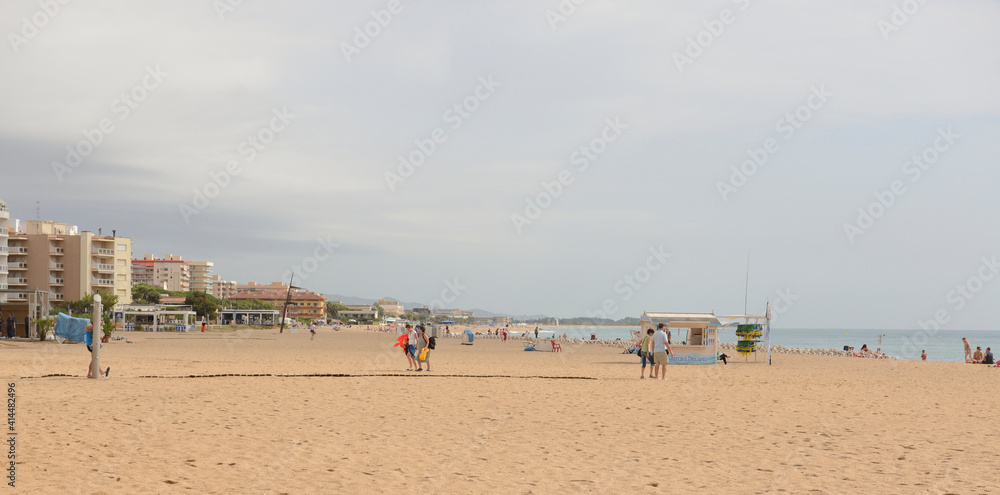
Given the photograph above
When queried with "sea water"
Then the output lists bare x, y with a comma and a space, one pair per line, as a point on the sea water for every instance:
942, 345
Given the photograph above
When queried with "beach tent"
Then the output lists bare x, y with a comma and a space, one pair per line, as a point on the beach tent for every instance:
469, 337
701, 345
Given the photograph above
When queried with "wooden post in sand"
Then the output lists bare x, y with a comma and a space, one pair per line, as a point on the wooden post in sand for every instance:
95, 357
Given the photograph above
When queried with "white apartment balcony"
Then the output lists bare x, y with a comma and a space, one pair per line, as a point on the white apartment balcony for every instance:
56, 281
3, 269
17, 281
18, 266
55, 250
17, 297
104, 267
4, 249
56, 266
18, 249
105, 251
103, 282
57, 296
4, 231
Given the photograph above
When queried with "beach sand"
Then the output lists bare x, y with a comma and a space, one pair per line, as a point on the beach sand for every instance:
489, 418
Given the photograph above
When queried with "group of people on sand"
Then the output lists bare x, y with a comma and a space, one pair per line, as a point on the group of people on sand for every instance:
977, 357
654, 348
418, 347
865, 352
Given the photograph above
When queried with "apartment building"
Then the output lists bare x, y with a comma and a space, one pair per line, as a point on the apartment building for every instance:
391, 307
54, 257
305, 304
4, 217
223, 289
201, 276
255, 287
171, 272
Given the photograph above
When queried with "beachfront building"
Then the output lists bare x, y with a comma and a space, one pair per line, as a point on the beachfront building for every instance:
4, 217
222, 289
170, 273
391, 307
56, 258
304, 304
358, 312
201, 276
255, 287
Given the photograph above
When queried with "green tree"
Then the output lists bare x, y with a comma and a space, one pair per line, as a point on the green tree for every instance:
333, 310
246, 304
145, 293
204, 305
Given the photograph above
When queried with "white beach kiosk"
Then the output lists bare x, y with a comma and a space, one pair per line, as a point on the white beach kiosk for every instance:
700, 344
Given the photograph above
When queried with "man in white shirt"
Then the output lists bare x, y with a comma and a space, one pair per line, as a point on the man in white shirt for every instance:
661, 348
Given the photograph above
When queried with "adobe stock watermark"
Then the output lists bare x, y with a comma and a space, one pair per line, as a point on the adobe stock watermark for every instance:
914, 169
122, 107
365, 34
714, 29
456, 115
901, 14
248, 149
449, 294
957, 298
628, 284
310, 264
582, 157
786, 127
224, 7
562, 12
31, 25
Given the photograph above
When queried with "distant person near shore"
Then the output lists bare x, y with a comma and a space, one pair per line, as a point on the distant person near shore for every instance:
923, 355
968, 350
988, 358
661, 348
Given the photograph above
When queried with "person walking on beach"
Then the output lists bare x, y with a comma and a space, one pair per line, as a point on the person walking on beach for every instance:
411, 347
312, 332
646, 354
968, 350
11, 322
423, 349
88, 339
661, 348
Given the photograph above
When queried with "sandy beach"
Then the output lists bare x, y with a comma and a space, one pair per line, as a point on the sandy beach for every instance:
489, 418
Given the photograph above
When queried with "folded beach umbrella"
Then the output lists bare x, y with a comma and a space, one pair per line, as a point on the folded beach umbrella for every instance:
70, 328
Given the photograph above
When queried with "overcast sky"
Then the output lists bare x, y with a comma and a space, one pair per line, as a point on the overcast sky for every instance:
491, 103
